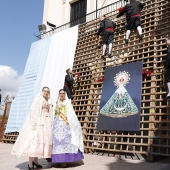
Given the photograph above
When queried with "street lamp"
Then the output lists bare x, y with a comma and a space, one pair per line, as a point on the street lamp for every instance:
42, 28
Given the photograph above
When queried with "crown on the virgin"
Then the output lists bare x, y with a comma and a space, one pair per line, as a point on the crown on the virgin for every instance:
122, 77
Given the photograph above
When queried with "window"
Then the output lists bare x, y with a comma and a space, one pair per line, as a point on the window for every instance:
78, 12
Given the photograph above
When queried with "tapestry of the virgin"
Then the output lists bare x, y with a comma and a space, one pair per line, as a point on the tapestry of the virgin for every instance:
121, 98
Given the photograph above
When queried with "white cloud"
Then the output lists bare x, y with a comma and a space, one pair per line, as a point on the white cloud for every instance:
9, 81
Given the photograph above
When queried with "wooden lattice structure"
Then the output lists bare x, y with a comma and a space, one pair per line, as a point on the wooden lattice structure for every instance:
4, 118
154, 136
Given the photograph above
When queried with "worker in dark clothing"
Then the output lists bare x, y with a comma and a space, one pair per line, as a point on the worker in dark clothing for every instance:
107, 29
167, 66
133, 15
68, 84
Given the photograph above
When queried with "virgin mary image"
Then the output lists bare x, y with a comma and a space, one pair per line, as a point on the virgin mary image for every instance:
120, 104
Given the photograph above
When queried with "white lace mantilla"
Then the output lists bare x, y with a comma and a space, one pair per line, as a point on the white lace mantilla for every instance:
28, 132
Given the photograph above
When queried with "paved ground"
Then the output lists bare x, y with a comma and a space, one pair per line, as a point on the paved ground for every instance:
90, 162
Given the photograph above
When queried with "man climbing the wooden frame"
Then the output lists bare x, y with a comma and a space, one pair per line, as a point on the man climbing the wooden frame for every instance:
167, 66
107, 28
133, 15
68, 84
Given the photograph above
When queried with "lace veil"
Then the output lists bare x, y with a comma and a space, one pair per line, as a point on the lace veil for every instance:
28, 132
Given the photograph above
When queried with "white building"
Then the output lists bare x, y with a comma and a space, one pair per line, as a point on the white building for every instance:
60, 12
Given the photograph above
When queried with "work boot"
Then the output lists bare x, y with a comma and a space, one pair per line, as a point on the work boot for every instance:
126, 41
102, 57
109, 55
140, 37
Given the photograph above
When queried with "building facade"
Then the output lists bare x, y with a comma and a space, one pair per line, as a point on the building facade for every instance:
60, 12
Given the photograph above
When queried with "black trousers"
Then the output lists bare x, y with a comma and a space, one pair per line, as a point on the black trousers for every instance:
108, 36
133, 22
167, 75
68, 90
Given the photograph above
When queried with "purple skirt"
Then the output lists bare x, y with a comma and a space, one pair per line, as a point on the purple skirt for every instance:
67, 157
62, 139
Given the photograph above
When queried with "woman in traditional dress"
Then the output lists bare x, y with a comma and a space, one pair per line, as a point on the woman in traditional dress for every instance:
67, 133
35, 138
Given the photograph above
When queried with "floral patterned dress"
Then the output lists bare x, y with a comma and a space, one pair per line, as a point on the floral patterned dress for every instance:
63, 150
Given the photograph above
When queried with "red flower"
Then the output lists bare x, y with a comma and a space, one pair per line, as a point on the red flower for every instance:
149, 72
144, 72
100, 79
78, 74
121, 9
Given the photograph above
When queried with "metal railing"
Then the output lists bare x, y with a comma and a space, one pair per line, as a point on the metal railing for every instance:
89, 17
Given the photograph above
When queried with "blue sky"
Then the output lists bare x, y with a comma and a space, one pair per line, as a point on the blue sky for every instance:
19, 21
